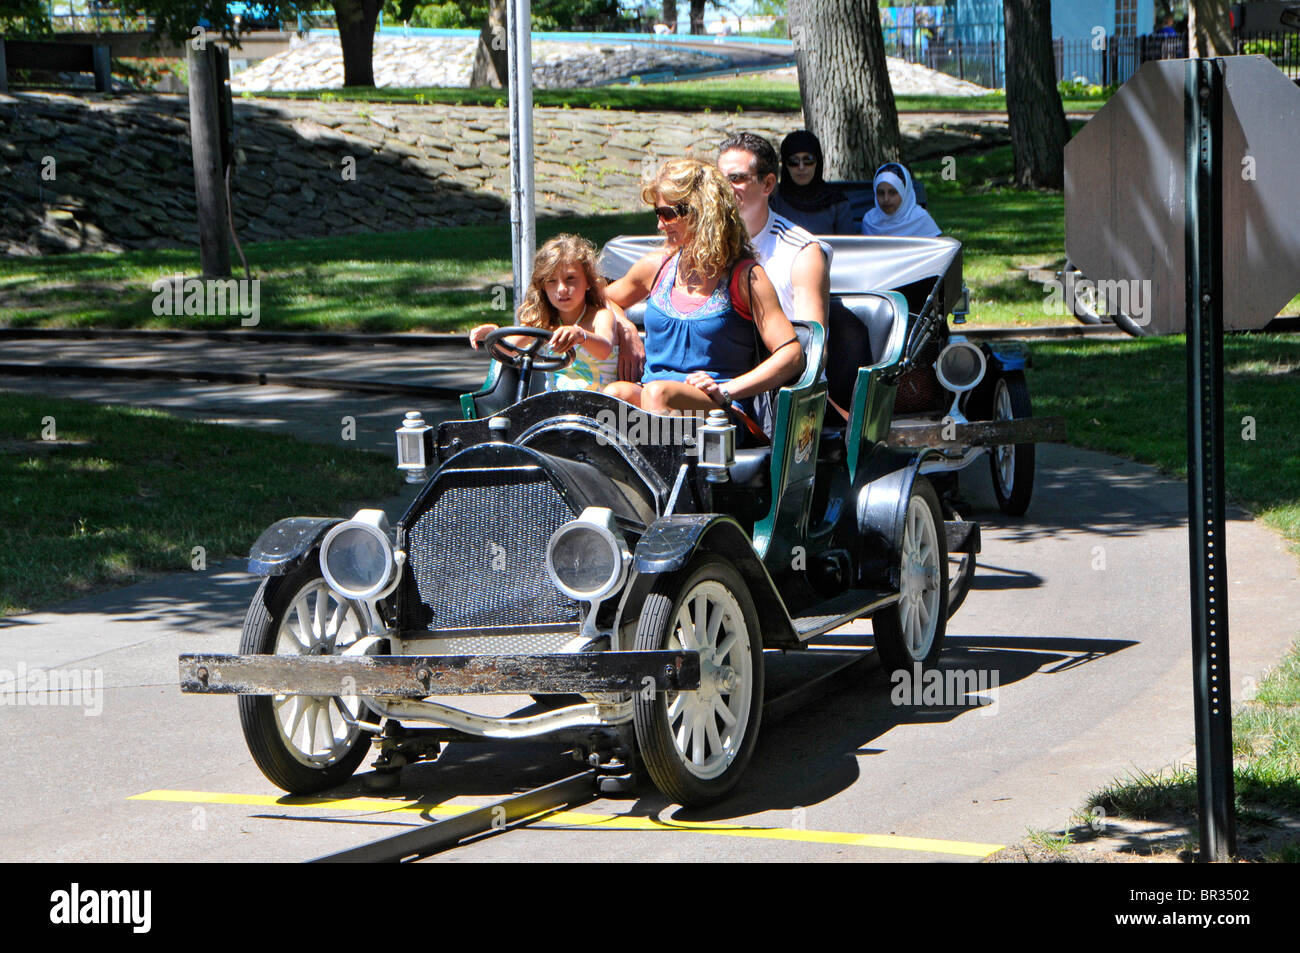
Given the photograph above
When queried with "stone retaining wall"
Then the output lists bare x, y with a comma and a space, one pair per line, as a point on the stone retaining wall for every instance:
96, 174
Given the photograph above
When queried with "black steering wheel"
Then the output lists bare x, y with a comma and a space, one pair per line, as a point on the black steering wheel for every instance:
526, 358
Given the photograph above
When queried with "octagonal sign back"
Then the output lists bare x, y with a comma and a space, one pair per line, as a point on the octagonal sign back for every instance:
1125, 203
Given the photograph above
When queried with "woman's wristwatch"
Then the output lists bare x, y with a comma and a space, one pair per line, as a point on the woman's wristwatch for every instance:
726, 395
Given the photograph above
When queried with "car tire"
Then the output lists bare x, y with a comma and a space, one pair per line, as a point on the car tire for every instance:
1012, 465
695, 745
302, 744
911, 630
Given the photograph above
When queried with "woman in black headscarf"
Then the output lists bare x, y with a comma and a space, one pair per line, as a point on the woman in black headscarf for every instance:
803, 196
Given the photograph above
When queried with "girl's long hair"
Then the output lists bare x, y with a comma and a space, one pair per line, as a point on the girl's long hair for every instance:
718, 238
537, 311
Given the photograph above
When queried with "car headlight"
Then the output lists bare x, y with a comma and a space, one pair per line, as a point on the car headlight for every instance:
357, 558
960, 366
587, 557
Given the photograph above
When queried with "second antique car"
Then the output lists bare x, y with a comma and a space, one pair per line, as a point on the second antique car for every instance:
627, 570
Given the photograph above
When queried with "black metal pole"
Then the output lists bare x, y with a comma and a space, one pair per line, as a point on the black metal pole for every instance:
1203, 112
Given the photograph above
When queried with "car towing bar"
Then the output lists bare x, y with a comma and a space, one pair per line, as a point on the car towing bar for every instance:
417, 676
919, 433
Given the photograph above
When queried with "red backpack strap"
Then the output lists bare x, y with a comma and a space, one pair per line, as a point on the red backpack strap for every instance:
733, 287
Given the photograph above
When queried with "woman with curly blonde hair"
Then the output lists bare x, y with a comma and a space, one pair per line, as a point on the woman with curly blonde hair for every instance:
707, 301
567, 295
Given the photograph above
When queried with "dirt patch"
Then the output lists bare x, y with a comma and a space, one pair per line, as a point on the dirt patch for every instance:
1261, 838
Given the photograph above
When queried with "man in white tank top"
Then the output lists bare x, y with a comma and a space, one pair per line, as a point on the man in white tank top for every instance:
797, 264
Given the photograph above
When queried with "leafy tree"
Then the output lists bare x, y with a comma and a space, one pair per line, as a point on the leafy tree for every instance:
24, 16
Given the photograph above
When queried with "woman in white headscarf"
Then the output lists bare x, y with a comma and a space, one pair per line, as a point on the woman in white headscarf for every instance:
896, 211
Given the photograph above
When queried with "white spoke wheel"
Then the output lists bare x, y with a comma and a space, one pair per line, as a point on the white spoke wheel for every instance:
911, 630
695, 745
1012, 465
302, 743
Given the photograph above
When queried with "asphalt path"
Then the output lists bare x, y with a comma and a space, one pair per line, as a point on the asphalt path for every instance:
1080, 611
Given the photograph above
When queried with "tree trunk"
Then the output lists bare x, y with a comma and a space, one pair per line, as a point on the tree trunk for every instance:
356, 20
1208, 21
491, 58
1037, 119
670, 13
697, 17
848, 102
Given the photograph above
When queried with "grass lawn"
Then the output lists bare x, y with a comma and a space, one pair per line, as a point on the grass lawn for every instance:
1129, 398
441, 279
123, 493
755, 92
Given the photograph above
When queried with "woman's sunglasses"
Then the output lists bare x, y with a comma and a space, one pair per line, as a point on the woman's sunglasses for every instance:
798, 162
671, 213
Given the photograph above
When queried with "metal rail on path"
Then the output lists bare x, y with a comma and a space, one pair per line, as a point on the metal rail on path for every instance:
451, 832
514, 812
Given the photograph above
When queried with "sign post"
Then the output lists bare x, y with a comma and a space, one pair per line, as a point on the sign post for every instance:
1203, 113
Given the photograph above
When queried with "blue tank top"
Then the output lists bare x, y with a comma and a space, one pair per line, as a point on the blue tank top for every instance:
715, 337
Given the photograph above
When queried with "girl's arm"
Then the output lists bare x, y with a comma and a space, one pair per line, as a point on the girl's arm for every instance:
601, 343
477, 335
569, 336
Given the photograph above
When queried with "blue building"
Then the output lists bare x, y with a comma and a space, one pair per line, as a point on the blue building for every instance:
971, 40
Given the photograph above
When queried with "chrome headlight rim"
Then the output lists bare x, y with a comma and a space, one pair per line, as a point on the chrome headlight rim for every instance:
375, 525
600, 521
960, 344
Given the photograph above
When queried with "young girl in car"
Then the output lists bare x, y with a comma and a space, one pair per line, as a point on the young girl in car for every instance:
567, 296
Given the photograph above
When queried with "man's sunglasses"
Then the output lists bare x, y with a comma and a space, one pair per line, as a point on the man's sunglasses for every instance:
671, 213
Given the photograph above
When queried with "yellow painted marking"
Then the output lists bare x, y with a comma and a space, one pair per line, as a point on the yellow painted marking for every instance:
614, 822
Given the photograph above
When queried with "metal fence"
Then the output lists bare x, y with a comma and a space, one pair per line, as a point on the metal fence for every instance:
1282, 48
1107, 63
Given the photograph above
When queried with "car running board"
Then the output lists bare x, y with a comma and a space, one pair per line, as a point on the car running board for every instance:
841, 610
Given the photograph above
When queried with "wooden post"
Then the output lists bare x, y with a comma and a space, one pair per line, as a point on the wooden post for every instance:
209, 178
4, 75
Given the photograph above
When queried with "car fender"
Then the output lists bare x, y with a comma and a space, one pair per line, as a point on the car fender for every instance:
283, 545
670, 543
881, 510
1008, 355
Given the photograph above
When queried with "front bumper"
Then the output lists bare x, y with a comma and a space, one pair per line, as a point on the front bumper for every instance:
419, 676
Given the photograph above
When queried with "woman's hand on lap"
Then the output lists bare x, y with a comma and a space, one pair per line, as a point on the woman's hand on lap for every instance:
712, 389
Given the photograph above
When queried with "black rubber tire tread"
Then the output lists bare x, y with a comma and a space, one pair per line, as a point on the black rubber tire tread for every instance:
655, 745
256, 713
1082, 313
887, 624
1022, 471
1088, 315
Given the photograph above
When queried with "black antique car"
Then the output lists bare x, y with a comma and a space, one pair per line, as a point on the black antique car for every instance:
627, 570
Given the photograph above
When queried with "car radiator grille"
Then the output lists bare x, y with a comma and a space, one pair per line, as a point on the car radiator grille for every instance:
477, 558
